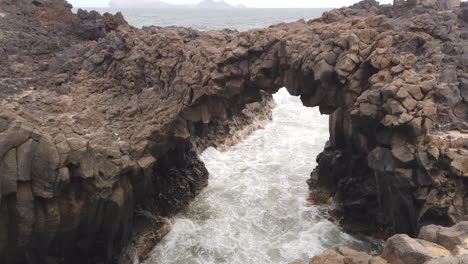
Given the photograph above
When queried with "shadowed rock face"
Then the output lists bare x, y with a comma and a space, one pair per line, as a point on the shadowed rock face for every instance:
99, 118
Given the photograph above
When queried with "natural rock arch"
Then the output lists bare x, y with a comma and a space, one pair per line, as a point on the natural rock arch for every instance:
111, 118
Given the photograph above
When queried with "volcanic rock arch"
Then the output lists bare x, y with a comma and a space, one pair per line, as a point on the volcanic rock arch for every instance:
109, 121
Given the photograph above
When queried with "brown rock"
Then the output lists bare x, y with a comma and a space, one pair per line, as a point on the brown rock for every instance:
377, 260
9, 175
427, 86
368, 110
409, 103
405, 250
25, 154
134, 106
323, 71
353, 256
449, 237
449, 75
459, 162
393, 107
347, 63
414, 90
45, 163
450, 260
402, 93
328, 257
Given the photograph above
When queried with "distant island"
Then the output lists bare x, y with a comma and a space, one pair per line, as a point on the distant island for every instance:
161, 4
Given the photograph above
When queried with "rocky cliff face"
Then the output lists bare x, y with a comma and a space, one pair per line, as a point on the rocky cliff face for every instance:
399, 152
99, 119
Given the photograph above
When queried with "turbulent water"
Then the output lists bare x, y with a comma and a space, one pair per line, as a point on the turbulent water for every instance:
254, 209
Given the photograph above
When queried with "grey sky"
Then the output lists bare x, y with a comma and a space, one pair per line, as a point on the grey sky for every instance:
249, 3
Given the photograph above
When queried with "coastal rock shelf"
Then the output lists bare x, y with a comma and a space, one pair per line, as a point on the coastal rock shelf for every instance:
435, 245
100, 121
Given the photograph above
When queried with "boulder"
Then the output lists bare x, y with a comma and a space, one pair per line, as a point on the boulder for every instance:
354, 257
458, 162
448, 237
402, 249
328, 257
450, 260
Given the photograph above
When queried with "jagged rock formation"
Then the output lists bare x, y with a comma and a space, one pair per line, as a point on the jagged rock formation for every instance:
435, 245
98, 118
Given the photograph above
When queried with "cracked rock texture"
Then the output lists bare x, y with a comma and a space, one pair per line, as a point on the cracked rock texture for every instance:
98, 118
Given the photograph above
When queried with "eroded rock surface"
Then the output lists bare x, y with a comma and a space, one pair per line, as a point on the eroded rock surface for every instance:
99, 119
434, 245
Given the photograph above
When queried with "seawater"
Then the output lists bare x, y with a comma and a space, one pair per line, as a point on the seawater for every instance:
255, 208
214, 19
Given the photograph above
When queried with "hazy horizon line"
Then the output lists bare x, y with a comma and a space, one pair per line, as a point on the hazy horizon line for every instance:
188, 7
194, 6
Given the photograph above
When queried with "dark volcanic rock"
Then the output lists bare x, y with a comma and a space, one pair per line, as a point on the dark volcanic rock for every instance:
99, 119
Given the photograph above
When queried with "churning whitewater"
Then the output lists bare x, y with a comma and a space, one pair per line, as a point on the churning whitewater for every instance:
255, 209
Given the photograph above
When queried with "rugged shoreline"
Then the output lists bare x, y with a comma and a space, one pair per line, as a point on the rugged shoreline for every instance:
434, 245
152, 225
98, 117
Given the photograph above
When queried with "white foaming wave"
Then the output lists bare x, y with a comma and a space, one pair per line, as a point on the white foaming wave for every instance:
254, 209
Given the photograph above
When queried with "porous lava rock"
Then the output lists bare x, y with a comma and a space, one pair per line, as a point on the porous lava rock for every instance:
99, 119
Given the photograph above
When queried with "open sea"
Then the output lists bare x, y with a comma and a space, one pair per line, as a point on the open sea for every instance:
214, 19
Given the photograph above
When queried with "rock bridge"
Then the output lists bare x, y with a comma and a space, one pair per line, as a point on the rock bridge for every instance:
100, 119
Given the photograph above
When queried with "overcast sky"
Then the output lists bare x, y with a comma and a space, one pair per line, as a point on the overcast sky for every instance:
249, 3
